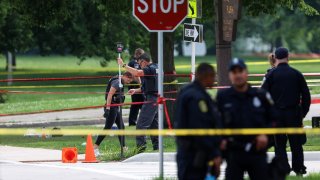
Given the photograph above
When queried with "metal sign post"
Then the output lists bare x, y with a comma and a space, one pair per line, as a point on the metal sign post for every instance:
119, 50
193, 33
160, 107
195, 11
193, 55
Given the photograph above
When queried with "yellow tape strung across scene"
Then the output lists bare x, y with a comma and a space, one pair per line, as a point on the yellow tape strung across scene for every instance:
77, 85
308, 81
166, 132
54, 86
103, 85
260, 63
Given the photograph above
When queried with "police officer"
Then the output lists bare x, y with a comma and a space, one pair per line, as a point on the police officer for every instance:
134, 108
243, 106
292, 99
148, 117
111, 113
195, 109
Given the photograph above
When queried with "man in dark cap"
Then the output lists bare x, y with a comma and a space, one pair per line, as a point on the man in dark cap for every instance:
148, 117
291, 95
243, 106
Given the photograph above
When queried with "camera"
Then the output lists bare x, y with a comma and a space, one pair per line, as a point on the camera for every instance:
119, 47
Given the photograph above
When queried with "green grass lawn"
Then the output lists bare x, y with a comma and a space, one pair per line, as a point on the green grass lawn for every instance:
313, 176
67, 66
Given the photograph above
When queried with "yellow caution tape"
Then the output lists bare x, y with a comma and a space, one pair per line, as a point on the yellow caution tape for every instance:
53, 86
60, 71
103, 85
76, 85
166, 132
308, 81
260, 63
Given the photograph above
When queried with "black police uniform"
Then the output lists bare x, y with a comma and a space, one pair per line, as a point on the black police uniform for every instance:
113, 115
148, 117
196, 110
265, 76
134, 108
251, 109
291, 94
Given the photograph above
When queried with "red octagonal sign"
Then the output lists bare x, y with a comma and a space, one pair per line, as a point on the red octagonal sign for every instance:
160, 15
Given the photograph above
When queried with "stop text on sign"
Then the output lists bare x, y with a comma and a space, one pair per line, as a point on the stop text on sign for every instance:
166, 6
160, 15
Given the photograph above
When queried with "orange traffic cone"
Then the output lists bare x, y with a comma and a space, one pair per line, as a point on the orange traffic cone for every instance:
90, 157
69, 155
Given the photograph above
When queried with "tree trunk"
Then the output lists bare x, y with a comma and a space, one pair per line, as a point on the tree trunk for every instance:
278, 40
223, 48
153, 46
168, 67
13, 64
271, 47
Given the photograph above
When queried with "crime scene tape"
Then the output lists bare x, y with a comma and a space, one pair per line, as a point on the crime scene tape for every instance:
313, 101
304, 74
55, 79
59, 92
165, 132
308, 81
291, 62
73, 85
108, 77
78, 108
103, 85
79, 78
54, 86
260, 63
160, 100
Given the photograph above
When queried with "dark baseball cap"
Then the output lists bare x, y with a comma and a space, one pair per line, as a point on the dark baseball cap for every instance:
281, 53
236, 62
145, 57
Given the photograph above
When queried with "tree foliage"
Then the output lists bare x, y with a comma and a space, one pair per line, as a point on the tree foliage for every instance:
15, 33
82, 28
292, 28
87, 28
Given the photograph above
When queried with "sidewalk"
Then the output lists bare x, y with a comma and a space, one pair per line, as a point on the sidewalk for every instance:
25, 164
141, 166
23, 154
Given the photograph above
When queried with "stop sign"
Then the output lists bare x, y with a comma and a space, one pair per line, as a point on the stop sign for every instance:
160, 15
